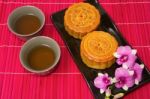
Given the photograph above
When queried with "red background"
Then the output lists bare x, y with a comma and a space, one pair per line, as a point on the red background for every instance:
132, 18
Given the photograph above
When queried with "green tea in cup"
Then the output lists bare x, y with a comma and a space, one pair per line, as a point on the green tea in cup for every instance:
27, 24
40, 57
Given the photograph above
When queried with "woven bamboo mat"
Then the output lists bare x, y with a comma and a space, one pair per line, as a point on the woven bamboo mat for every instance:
132, 18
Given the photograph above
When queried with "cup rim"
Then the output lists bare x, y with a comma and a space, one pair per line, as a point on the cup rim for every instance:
33, 33
44, 70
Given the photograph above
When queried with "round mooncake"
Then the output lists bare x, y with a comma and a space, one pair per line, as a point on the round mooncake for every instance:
97, 49
80, 19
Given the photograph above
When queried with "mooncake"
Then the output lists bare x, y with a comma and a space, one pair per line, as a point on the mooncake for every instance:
97, 49
80, 19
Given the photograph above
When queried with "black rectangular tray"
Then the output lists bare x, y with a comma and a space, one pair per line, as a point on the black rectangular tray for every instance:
74, 47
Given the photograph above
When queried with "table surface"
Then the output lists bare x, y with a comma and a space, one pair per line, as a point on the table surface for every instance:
132, 18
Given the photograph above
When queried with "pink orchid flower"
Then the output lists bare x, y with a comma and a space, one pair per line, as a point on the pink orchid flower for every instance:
124, 78
138, 69
126, 56
102, 82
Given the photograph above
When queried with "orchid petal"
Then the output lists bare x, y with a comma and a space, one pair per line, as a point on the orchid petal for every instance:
100, 74
131, 73
124, 50
124, 77
142, 66
130, 81
125, 66
102, 91
121, 72
125, 87
131, 60
113, 80
136, 82
106, 74
102, 81
118, 85
116, 55
119, 62
138, 69
134, 51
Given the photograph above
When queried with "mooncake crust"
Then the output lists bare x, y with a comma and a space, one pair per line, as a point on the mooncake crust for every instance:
97, 49
80, 19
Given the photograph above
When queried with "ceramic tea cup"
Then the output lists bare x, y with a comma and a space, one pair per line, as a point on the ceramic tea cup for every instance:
22, 11
34, 42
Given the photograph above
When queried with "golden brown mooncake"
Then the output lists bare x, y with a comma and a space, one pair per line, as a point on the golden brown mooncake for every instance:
97, 49
80, 19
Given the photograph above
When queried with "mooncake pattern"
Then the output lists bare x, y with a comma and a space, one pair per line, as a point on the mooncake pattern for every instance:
80, 19
97, 49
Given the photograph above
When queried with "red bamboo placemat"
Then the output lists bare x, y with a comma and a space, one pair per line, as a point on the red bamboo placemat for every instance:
132, 18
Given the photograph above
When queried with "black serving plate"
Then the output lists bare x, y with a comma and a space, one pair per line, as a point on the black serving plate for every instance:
74, 47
